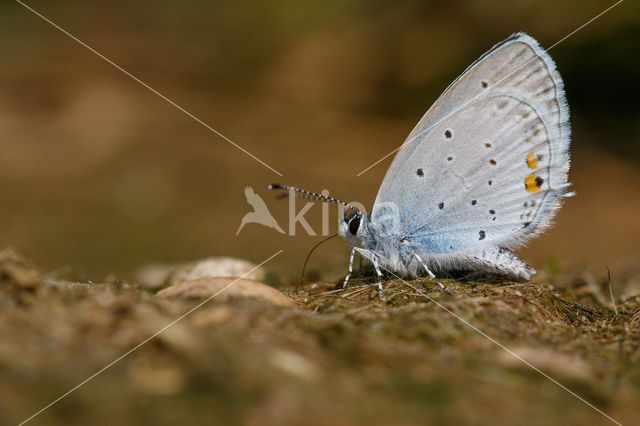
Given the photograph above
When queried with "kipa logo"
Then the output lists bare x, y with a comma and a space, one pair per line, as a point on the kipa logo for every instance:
261, 214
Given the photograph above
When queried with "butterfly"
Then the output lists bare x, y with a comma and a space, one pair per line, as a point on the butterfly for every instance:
483, 172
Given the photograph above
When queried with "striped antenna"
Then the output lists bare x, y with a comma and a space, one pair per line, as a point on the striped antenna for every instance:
302, 193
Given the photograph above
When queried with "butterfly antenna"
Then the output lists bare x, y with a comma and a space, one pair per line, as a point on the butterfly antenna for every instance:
304, 267
303, 193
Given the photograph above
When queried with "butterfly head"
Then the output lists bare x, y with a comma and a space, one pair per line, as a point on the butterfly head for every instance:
354, 227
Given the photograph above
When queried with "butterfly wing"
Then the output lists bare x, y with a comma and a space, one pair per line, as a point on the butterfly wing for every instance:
489, 161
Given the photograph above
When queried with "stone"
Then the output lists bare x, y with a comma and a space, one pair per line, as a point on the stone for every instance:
216, 267
157, 275
226, 288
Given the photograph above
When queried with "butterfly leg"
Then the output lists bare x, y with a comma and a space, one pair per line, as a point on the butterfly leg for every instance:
373, 257
346, 279
375, 265
431, 274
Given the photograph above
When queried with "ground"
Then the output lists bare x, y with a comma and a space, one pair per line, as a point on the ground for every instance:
339, 357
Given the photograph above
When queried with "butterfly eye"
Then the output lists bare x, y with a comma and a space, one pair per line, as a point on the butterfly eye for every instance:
354, 224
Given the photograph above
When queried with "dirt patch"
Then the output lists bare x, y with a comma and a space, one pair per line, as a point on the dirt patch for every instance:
337, 357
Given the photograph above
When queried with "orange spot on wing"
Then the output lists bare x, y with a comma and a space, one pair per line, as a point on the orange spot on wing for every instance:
532, 183
532, 161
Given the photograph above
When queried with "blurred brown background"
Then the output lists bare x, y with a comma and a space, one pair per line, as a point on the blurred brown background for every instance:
98, 173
